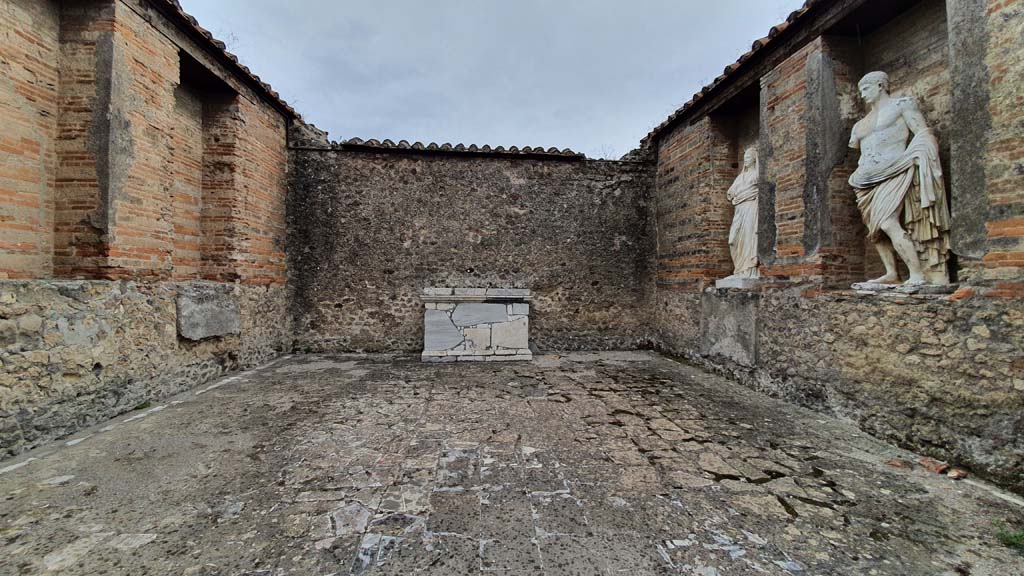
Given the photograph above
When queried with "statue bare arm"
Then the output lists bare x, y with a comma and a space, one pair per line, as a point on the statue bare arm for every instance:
912, 115
854, 139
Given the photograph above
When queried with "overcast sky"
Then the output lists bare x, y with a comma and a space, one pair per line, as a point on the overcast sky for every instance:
591, 75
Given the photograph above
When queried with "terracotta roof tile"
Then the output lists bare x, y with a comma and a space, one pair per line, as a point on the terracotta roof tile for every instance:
189, 22
757, 46
456, 148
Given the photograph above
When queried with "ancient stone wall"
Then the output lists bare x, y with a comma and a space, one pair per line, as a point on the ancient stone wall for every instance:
143, 227
79, 352
370, 229
130, 152
941, 374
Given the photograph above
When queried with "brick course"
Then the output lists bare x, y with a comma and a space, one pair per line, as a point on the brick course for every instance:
1004, 149
29, 56
695, 167
119, 167
115, 160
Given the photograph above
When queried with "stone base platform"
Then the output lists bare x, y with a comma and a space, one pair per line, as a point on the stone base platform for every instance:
468, 356
878, 287
738, 282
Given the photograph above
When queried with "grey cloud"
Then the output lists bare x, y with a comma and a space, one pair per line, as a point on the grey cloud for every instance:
593, 75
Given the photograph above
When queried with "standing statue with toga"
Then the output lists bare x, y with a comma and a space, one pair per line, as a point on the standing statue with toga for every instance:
899, 186
743, 232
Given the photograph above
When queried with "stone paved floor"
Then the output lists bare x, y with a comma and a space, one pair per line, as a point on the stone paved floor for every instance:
612, 463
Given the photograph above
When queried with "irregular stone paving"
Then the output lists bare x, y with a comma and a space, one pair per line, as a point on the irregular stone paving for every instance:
604, 463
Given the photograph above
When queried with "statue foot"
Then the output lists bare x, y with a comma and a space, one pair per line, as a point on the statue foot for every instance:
912, 286
887, 279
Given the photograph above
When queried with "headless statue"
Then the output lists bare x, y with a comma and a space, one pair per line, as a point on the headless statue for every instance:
899, 187
743, 233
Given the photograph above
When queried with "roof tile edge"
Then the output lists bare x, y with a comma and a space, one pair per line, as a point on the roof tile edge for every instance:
756, 47
190, 24
459, 148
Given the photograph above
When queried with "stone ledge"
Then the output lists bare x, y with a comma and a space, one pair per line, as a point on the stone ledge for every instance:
485, 352
430, 357
485, 295
733, 283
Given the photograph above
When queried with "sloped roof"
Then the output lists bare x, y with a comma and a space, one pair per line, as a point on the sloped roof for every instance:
456, 148
758, 45
186, 21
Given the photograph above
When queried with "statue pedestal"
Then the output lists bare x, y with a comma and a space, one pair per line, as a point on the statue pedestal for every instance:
873, 286
878, 288
736, 282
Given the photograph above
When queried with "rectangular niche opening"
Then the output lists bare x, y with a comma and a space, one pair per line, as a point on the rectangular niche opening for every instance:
908, 40
737, 128
204, 162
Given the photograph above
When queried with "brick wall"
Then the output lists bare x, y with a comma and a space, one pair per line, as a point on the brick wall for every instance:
82, 215
186, 193
131, 158
696, 164
29, 55
1004, 148
111, 155
784, 130
144, 76
914, 50
809, 103
217, 221
840, 236
260, 194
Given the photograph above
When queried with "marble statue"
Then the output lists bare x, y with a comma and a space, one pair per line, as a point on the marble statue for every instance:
743, 233
899, 187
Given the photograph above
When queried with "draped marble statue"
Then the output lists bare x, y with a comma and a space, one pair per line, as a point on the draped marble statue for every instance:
743, 233
899, 187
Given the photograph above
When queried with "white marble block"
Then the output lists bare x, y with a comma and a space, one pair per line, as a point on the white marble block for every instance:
512, 335
476, 324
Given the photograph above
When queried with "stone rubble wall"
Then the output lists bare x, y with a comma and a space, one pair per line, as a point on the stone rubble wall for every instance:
75, 353
369, 230
940, 375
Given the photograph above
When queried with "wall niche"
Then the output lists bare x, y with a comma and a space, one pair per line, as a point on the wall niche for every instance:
737, 125
909, 41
